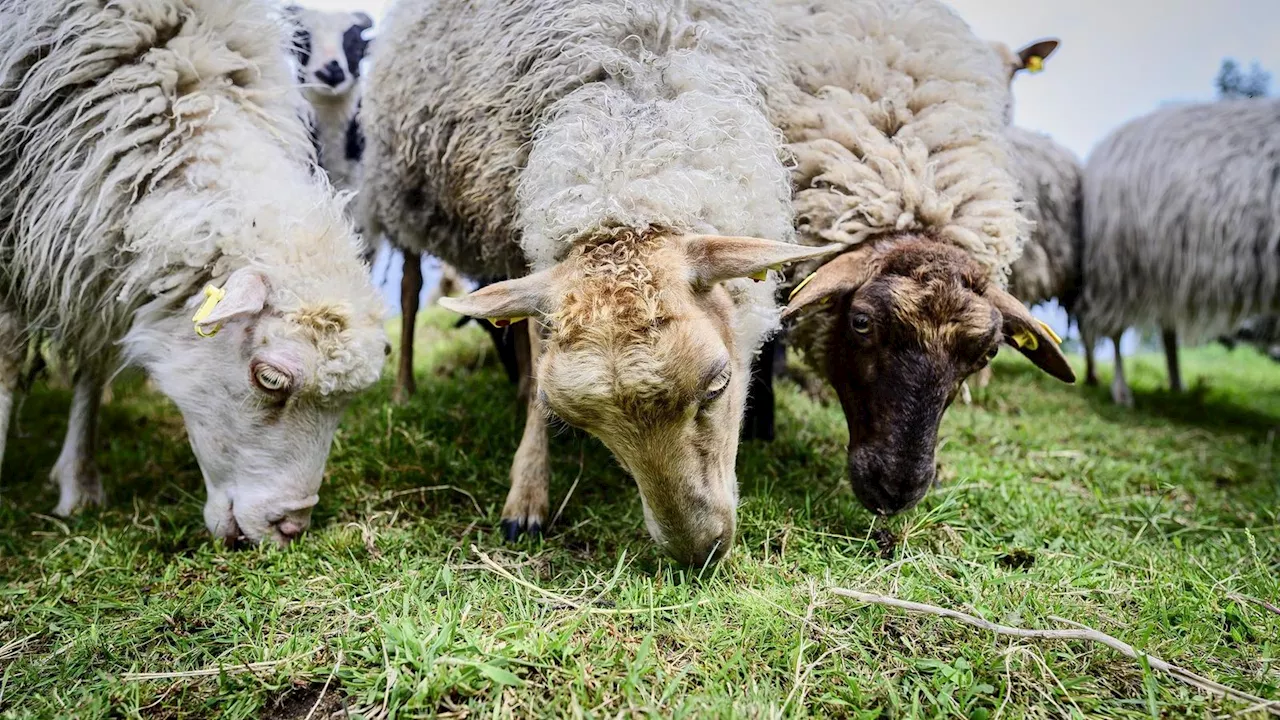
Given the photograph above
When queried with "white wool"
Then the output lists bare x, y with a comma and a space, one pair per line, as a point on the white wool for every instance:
155, 176
1182, 220
555, 121
895, 124
1049, 177
148, 147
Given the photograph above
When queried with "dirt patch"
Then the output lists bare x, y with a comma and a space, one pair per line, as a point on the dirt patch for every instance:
887, 542
1016, 560
296, 703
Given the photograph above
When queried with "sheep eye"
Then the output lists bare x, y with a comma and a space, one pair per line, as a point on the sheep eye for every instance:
718, 386
861, 323
991, 354
271, 379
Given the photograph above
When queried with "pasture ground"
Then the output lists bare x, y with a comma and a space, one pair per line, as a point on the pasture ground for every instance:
1156, 525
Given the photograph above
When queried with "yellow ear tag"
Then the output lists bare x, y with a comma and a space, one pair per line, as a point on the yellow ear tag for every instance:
797, 288
1035, 64
1049, 331
503, 322
212, 296
760, 276
1026, 339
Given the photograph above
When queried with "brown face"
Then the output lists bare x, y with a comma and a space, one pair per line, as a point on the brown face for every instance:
641, 351
903, 325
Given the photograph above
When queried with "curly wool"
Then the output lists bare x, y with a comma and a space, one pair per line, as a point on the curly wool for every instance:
501, 134
1182, 220
1049, 177
148, 147
895, 124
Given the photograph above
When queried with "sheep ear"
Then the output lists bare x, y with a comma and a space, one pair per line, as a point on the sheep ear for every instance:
503, 303
716, 258
1032, 56
363, 21
244, 293
842, 275
1037, 341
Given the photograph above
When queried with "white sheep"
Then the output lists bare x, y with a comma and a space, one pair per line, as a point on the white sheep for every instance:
157, 208
1182, 225
615, 148
896, 123
329, 47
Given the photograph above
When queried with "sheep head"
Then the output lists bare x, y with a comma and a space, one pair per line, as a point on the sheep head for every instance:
641, 351
328, 48
261, 381
897, 327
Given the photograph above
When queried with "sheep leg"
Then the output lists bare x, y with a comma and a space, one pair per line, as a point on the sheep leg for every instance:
1169, 338
10, 380
410, 291
1120, 391
1090, 369
984, 377
528, 500
759, 420
76, 473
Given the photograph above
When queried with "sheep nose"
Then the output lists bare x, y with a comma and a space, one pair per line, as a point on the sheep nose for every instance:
292, 525
331, 74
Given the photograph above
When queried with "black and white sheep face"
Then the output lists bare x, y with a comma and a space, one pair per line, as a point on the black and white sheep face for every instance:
261, 390
328, 48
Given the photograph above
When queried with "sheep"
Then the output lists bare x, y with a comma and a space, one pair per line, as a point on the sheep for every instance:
896, 124
329, 47
157, 209
621, 152
1262, 332
1182, 226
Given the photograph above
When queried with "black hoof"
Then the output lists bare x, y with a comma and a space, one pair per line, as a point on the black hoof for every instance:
512, 530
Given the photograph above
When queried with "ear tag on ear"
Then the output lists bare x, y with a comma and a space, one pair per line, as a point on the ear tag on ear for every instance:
1026, 339
1035, 64
503, 322
1049, 331
212, 296
764, 274
800, 287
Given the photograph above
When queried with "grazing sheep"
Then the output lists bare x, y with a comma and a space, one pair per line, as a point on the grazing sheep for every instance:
896, 125
1182, 225
607, 144
155, 198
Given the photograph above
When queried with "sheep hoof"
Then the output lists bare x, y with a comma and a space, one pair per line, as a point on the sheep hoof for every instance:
1122, 395
513, 529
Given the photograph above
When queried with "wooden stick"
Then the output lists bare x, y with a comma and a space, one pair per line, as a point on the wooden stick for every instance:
1081, 632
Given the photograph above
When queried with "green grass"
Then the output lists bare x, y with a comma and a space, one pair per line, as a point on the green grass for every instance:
1148, 524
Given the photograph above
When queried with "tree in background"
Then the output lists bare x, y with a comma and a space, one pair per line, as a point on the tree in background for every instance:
1232, 82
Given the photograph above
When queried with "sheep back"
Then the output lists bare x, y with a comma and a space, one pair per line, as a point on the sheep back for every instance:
492, 124
1182, 220
1049, 177
895, 123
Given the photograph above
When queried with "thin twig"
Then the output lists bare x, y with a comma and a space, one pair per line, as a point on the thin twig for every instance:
574, 486
1081, 632
325, 689
432, 488
573, 604
207, 672
1256, 601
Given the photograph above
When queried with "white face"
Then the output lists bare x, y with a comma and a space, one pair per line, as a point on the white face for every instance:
261, 400
328, 48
